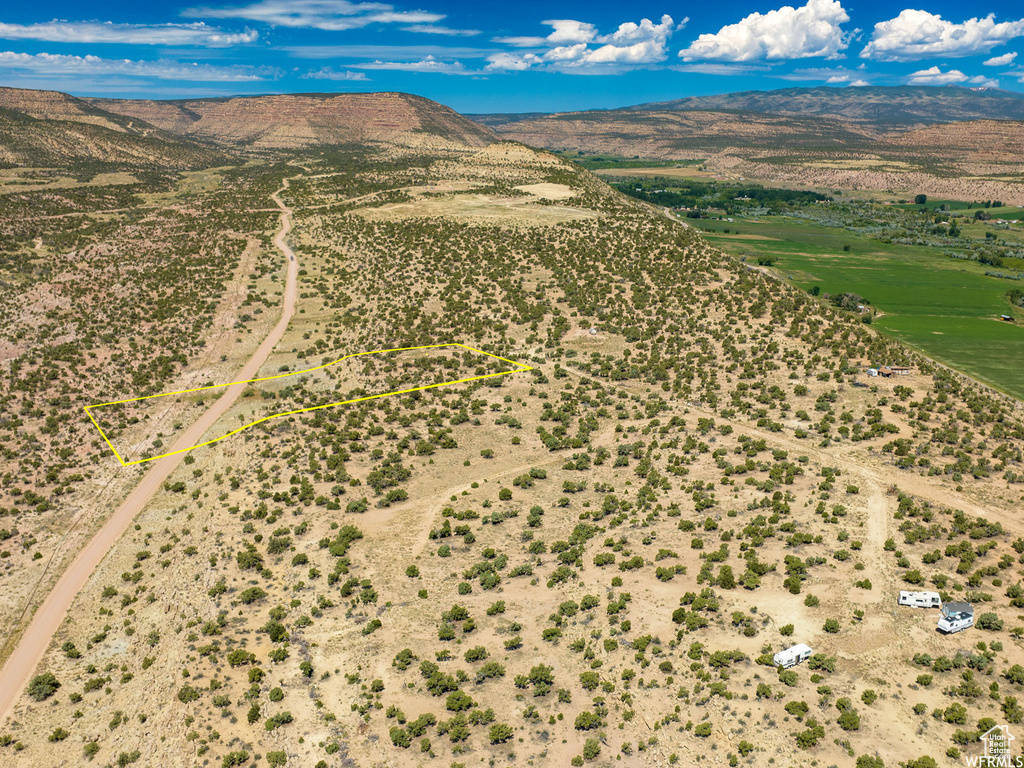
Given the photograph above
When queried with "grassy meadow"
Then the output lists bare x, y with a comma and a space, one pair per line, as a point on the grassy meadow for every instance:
947, 308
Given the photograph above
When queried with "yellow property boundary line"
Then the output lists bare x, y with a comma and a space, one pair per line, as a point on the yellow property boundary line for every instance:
520, 368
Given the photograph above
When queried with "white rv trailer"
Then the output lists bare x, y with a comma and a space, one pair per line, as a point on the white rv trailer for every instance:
920, 599
956, 617
792, 656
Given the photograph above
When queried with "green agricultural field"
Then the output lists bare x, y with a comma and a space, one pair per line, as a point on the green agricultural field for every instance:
947, 308
615, 162
1000, 212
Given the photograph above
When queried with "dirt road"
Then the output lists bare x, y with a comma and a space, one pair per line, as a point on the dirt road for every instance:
32, 646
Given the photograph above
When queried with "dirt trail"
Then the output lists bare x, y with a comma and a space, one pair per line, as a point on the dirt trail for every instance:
47, 620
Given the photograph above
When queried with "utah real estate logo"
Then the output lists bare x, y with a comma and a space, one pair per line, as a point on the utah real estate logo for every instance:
998, 745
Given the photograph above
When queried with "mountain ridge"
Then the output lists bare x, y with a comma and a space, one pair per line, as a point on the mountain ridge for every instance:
290, 121
50, 127
895, 104
888, 107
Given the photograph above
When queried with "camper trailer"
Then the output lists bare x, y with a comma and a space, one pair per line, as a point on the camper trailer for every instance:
920, 599
956, 617
792, 656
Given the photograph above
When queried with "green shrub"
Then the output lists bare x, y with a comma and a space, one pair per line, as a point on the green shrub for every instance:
400, 737
281, 718
43, 686
188, 694
499, 733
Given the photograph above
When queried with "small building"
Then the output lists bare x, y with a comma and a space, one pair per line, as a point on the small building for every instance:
872, 371
920, 599
885, 371
792, 656
956, 617
900, 370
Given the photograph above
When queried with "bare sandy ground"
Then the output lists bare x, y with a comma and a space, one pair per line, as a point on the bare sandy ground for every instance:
47, 620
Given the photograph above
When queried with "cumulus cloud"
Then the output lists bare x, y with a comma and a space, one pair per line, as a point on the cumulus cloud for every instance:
576, 46
58, 31
426, 64
163, 69
1001, 61
569, 32
329, 15
987, 82
512, 62
935, 76
787, 33
919, 34
630, 33
859, 83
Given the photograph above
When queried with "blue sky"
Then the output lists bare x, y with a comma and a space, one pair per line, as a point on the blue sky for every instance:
491, 57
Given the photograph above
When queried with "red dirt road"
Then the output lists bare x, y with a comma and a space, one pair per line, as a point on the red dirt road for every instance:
32, 646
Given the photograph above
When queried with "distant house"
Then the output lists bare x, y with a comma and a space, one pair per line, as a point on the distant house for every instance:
885, 371
900, 370
872, 371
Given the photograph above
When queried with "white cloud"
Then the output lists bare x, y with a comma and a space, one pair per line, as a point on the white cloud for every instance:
386, 52
787, 33
711, 68
859, 83
427, 64
1001, 61
163, 69
629, 33
521, 41
569, 32
330, 15
935, 76
58, 31
570, 47
828, 75
919, 34
329, 74
434, 29
987, 82
512, 62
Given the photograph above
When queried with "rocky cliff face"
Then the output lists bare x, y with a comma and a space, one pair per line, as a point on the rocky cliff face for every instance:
302, 120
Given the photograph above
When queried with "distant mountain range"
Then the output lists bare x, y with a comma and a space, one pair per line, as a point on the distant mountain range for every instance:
49, 128
884, 104
904, 105
789, 120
